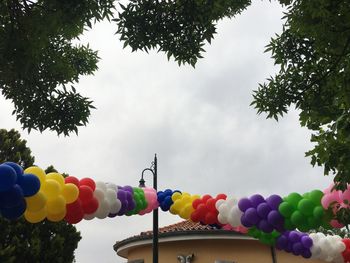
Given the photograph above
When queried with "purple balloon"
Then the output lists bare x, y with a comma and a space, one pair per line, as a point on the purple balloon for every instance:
306, 253
121, 194
252, 216
281, 242
297, 248
244, 204
306, 241
294, 236
275, 218
263, 210
256, 200
264, 226
289, 247
274, 201
245, 222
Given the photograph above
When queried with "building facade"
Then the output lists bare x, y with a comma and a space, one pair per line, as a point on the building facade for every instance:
187, 242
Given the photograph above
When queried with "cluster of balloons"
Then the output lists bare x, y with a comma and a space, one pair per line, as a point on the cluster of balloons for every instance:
15, 186
262, 213
336, 200
229, 212
151, 199
274, 220
164, 199
205, 210
303, 212
182, 205
329, 248
295, 242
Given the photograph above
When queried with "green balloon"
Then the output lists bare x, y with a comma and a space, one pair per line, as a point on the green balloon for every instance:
298, 219
314, 223
316, 196
286, 209
293, 199
306, 207
318, 212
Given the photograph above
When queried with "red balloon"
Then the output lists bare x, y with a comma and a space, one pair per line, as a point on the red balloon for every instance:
91, 206
85, 193
88, 182
72, 180
74, 212
210, 218
205, 198
195, 216
196, 202
211, 204
221, 196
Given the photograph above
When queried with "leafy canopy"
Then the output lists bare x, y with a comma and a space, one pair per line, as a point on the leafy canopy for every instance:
39, 62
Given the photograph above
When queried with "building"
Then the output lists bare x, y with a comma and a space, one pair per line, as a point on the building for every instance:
187, 242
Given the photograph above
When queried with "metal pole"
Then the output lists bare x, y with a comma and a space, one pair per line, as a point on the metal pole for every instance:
155, 216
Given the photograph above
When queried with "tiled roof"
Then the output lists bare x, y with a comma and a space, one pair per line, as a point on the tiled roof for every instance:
186, 225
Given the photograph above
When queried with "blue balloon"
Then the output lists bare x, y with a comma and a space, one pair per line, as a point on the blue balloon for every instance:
160, 196
30, 184
12, 197
8, 177
18, 169
14, 212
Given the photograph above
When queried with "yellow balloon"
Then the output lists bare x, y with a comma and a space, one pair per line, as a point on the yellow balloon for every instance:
175, 196
70, 193
38, 172
56, 206
36, 202
186, 199
56, 217
57, 177
35, 217
194, 197
51, 189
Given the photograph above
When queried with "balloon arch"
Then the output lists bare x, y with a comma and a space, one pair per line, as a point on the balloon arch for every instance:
276, 221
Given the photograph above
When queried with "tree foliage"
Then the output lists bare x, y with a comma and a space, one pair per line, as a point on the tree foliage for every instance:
313, 53
39, 62
21, 241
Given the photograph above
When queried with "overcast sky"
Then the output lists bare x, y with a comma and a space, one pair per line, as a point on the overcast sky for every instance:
199, 122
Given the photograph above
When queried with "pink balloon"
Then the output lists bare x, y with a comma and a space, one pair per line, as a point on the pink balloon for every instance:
334, 223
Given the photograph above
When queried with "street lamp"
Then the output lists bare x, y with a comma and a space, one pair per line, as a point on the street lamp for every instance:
153, 170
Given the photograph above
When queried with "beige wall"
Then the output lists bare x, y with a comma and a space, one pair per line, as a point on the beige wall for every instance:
207, 251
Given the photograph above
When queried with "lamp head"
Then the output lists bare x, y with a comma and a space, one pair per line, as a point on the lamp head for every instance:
142, 183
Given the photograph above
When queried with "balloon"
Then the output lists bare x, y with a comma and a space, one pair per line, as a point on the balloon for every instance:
70, 192
256, 200
51, 189
30, 184
90, 206
85, 193
15, 211
274, 201
306, 207
36, 202
244, 204
88, 182
251, 216
12, 197
57, 177
38, 172
17, 168
293, 199
71, 180
35, 217
56, 206
263, 210
286, 209
56, 217
8, 177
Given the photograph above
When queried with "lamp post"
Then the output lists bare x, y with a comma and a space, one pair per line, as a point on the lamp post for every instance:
153, 170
